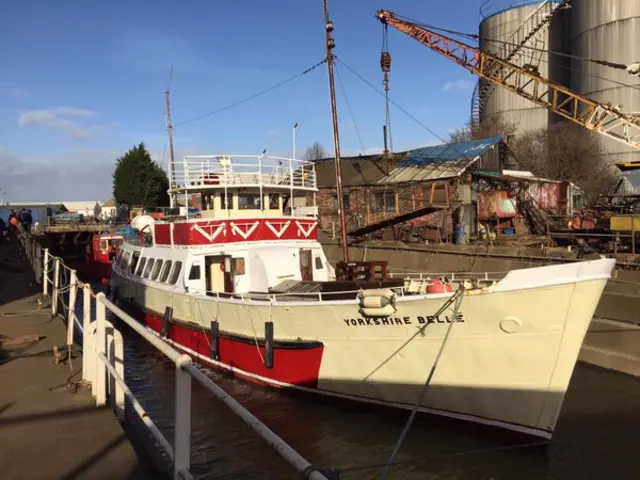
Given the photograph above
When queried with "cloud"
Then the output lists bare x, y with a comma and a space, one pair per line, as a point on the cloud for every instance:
458, 85
78, 176
58, 118
14, 90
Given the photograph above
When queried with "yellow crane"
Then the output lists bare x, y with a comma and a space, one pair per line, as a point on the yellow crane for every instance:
605, 119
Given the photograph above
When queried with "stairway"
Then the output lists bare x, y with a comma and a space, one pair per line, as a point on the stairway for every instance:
514, 51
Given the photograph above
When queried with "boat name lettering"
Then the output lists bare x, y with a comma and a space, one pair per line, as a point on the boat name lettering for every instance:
354, 322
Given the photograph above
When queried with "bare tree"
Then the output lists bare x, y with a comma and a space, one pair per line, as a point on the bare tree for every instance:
489, 127
567, 152
315, 152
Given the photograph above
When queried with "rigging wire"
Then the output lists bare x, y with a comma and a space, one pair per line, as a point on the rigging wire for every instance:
251, 97
355, 125
450, 145
372, 86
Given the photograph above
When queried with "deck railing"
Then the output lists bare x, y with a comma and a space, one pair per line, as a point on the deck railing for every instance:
103, 363
199, 172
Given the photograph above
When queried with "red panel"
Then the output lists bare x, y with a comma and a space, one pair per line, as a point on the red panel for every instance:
291, 366
163, 234
240, 230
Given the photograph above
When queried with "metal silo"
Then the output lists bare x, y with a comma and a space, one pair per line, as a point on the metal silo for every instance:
607, 30
528, 24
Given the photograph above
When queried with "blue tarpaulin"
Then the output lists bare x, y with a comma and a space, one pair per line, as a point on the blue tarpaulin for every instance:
453, 151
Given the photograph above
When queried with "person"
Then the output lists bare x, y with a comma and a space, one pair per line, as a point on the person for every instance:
28, 220
3, 227
13, 228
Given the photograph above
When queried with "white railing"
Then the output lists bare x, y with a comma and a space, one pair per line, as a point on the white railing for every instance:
241, 171
103, 367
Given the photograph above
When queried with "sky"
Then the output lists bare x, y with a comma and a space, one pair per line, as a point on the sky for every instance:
87, 83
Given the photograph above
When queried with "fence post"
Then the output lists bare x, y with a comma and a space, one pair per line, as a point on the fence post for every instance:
45, 273
56, 286
182, 440
71, 314
115, 349
88, 352
100, 385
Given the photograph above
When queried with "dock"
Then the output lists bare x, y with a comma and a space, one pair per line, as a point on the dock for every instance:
50, 427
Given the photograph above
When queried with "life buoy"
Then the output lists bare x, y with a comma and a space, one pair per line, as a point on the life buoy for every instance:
222, 267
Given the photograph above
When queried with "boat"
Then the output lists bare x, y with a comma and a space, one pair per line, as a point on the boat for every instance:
100, 255
246, 287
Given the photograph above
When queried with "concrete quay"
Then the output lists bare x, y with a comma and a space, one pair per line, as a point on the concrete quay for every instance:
49, 425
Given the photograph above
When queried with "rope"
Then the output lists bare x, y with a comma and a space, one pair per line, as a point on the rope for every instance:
421, 396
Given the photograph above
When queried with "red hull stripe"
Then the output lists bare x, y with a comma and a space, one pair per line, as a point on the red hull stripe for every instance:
292, 366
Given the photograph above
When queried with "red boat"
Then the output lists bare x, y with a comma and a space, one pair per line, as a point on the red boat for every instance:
104, 247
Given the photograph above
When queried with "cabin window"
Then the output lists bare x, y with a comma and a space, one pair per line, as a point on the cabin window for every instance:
318, 263
385, 201
248, 201
226, 202
345, 201
134, 262
148, 268
175, 274
118, 260
165, 271
238, 266
156, 270
194, 273
141, 265
274, 201
125, 262
104, 245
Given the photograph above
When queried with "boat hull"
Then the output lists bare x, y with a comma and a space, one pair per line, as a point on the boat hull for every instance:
507, 362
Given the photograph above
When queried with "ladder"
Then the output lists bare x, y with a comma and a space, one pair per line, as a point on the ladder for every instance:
513, 50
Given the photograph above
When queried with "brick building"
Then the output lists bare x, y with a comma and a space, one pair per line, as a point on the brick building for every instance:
435, 179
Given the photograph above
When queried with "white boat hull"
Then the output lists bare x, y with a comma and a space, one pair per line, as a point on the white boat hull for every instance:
508, 361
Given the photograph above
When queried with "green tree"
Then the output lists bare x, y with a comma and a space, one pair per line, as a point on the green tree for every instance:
138, 180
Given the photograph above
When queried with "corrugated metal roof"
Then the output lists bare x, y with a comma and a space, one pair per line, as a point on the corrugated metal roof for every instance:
439, 161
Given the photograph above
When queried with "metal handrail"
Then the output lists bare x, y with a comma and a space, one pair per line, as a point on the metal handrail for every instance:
103, 364
221, 171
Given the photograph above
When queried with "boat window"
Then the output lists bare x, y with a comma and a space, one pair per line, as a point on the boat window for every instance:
156, 269
147, 269
118, 260
165, 271
248, 201
176, 273
318, 263
143, 260
134, 262
238, 266
274, 201
194, 273
224, 201
125, 262
104, 244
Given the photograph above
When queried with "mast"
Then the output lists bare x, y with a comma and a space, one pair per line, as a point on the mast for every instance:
167, 100
330, 44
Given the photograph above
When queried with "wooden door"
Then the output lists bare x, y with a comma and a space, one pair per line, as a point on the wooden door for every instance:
306, 265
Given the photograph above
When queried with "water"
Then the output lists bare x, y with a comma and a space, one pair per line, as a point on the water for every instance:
597, 437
